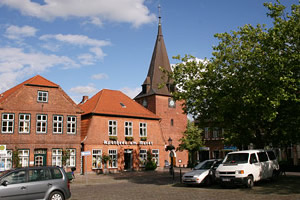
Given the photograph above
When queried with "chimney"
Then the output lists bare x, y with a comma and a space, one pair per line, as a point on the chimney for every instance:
84, 99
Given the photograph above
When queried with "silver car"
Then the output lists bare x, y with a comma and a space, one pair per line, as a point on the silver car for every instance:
203, 173
49, 183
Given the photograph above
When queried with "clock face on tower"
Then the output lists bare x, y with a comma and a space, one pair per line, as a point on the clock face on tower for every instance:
171, 103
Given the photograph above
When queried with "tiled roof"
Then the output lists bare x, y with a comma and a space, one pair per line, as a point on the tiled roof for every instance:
113, 102
36, 81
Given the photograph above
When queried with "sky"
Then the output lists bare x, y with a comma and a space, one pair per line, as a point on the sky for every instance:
89, 45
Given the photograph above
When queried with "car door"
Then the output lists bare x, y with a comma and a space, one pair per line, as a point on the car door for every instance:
255, 167
38, 182
263, 159
13, 186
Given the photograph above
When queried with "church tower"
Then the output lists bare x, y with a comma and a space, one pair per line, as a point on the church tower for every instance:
156, 96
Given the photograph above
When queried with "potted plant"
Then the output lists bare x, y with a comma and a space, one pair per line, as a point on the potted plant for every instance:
143, 138
105, 158
113, 138
129, 138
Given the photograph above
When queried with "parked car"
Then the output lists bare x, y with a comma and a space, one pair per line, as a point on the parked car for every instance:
49, 183
203, 173
247, 167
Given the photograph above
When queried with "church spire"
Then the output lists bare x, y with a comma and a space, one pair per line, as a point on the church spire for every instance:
155, 76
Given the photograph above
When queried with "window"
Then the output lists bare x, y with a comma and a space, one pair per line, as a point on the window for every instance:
143, 157
8, 123
71, 125
58, 124
253, 158
42, 96
38, 175
172, 122
71, 161
24, 157
97, 162
155, 153
6, 160
143, 129
113, 163
16, 177
128, 128
24, 123
41, 124
271, 155
215, 132
112, 128
262, 156
206, 132
56, 173
57, 157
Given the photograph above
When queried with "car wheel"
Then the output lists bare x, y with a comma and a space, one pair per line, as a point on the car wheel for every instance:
249, 183
56, 195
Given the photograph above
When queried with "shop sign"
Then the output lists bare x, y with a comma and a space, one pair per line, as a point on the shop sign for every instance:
3, 151
230, 148
127, 143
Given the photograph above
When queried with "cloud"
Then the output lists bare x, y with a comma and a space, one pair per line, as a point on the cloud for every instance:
84, 90
100, 76
129, 11
80, 40
94, 20
15, 64
131, 92
16, 32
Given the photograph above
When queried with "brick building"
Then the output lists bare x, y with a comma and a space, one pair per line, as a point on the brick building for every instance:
40, 121
156, 96
115, 125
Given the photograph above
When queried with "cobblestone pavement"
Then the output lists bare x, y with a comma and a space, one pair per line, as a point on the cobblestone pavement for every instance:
159, 185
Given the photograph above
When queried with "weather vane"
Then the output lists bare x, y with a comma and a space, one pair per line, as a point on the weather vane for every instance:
159, 16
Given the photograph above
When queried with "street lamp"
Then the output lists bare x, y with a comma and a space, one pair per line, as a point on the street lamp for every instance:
170, 148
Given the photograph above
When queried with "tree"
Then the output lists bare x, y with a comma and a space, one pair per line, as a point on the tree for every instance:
251, 83
191, 140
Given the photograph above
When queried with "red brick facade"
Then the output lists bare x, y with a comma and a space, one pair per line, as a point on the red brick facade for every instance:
21, 101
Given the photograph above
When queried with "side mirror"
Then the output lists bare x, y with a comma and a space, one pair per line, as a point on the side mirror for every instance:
4, 183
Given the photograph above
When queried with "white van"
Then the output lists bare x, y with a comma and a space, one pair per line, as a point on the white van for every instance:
247, 167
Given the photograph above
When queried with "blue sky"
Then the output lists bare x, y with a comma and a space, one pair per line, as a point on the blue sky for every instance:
86, 46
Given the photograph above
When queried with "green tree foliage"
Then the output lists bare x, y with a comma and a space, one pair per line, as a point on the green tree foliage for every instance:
150, 163
251, 84
191, 141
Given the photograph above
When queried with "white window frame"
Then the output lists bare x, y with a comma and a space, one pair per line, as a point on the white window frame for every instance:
57, 157
42, 96
97, 158
143, 157
71, 161
155, 154
128, 128
71, 124
24, 123
8, 121
24, 157
7, 160
112, 128
113, 153
143, 129
43, 123
58, 121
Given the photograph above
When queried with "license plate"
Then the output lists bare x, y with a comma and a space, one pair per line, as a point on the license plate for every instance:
226, 179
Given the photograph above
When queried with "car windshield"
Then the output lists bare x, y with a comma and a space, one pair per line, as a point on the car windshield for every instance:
204, 165
237, 158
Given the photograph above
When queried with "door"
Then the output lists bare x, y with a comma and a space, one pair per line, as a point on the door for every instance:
40, 156
255, 167
16, 188
128, 159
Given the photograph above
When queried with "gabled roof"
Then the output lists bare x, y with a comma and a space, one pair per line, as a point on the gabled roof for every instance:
113, 102
34, 81
159, 60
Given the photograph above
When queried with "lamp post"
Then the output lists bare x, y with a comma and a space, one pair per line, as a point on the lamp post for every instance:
170, 148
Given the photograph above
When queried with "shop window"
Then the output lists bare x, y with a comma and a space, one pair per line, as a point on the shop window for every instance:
97, 161
155, 153
24, 157
71, 160
113, 163
143, 157
57, 157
